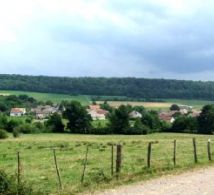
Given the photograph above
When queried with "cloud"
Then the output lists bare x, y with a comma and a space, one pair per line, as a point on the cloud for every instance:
157, 38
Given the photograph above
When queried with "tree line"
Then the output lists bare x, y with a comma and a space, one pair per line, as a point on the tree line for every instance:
126, 87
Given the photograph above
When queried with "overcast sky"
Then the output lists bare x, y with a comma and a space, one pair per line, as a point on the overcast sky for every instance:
140, 38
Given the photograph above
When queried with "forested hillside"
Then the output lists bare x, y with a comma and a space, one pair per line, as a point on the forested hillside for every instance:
130, 87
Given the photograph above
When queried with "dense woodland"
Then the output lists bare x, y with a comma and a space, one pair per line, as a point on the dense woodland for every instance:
129, 87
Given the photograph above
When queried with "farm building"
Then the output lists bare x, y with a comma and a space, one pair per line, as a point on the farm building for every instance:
43, 112
97, 113
17, 112
167, 116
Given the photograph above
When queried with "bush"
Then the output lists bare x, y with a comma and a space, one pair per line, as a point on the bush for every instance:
4, 183
100, 131
16, 133
28, 128
12, 124
9, 187
138, 129
3, 134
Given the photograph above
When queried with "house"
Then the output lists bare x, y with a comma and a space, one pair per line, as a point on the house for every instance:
43, 112
135, 114
17, 112
97, 113
185, 107
167, 116
195, 113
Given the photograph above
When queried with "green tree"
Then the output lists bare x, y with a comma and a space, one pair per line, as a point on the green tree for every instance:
106, 106
185, 124
119, 120
174, 107
55, 124
206, 120
79, 121
151, 120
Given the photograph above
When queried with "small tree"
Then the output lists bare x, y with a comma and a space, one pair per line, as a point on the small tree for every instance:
206, 120
174, 107
55, 123
79, 121
3, 134
119, 120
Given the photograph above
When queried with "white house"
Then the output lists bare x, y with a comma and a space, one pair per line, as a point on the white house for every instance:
97, 113
17, 112
135, 114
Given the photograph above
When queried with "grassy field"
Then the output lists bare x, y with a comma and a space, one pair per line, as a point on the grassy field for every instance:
38, 167
56, 98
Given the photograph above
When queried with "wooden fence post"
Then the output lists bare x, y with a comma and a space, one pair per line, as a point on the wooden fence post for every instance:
112, 159
195, 150
118, 160
174, 152
18, 169
57, 170
209, 150
85, 164
149, 154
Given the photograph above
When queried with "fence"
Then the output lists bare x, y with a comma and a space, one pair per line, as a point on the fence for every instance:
85, 163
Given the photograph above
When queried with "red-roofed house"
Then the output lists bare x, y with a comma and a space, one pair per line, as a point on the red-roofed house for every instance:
17, 112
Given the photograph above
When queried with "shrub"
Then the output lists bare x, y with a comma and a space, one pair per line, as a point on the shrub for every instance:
27, 129
16, 133
100, 131
3, 134
9, 187
12, 124
4, 183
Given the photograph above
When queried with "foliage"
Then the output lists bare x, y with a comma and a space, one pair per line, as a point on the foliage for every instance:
16, 133
3, 121
9, 187
3, 134
79, 121
206, 120
55, 124
11, 101
12, 124
174, 107
106, 106
119, 120
27, 128
138, 129
151, 120
128, 87
185, 124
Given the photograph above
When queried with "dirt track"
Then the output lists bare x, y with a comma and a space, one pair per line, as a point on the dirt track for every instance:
198, 182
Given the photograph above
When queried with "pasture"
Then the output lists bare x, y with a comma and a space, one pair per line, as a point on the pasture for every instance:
38, 168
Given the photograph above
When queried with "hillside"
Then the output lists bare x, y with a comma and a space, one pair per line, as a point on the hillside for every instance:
129, 87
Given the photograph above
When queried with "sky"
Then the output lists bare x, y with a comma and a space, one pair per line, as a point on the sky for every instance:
111, 38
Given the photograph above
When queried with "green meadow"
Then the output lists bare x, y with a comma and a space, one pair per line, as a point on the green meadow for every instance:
38, 168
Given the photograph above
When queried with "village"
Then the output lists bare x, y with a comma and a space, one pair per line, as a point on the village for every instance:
98, 113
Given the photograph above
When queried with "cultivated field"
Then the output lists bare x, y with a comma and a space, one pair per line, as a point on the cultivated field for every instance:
38, 168
197, 104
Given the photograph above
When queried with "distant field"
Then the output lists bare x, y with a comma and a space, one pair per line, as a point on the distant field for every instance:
38, 167
85, 100
197, 104
56, 98
151, 105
